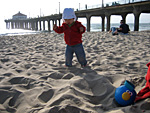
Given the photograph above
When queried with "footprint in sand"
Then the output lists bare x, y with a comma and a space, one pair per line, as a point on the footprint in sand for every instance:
4, 60
20, 80
45, 96
9, 97
7, 74
19, 70
27, 66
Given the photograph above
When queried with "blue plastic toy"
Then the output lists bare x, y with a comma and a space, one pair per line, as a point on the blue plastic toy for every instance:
125, 94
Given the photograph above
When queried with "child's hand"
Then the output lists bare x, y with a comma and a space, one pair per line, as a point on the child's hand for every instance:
81, 29
54, 27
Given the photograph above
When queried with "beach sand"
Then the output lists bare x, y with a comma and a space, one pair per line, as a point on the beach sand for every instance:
33, 78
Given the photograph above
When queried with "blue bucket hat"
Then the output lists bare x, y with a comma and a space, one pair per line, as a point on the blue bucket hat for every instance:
68, 13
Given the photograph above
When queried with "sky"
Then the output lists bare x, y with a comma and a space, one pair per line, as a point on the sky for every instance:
35, 8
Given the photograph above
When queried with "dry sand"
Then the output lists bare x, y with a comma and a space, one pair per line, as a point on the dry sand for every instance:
33, 78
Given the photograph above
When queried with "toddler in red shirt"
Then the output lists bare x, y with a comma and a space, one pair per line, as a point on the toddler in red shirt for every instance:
73, 31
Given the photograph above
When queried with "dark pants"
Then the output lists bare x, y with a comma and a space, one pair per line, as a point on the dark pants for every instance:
80, 54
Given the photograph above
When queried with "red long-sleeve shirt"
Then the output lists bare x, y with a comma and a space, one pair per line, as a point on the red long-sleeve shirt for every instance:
72, 35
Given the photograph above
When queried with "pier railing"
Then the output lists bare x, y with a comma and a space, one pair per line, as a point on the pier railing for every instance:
115, 3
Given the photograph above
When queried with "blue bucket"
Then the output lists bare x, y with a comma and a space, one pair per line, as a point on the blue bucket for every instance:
129, 85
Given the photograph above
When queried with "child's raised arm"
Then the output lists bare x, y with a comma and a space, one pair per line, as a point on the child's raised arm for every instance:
58, 29
54, 27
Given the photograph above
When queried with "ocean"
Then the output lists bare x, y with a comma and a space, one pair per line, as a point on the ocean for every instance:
142, 26
12, 32
94, 28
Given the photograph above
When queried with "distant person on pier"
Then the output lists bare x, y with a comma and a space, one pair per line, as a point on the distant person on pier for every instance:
73, 31
123, 29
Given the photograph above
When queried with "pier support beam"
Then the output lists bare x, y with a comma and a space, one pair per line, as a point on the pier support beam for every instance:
7, 25
36, 25
12, 25
54, 22
137, 11
15, 25
136, 21
26, 25
124, 16
59, 22
103, 23
32, 25
88, 22
40, 25
43, 25
49, 28
108, 22
21, 25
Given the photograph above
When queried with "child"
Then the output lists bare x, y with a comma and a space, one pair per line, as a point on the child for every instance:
73, 31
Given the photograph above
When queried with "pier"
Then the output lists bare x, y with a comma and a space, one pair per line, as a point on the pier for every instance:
104, 12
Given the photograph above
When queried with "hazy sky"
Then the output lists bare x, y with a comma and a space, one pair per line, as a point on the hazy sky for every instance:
45, 7
34, 8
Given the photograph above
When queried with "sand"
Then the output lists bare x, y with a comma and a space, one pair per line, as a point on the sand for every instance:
33, 78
